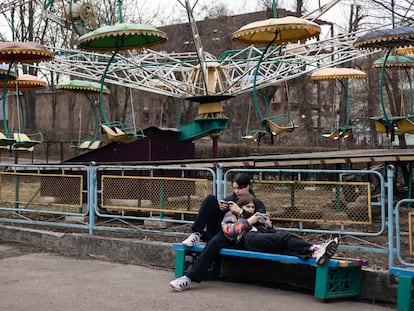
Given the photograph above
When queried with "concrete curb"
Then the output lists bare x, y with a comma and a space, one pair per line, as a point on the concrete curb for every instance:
376, 286
137, 252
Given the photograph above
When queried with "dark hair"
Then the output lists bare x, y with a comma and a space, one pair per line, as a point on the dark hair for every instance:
242, 180
246, 199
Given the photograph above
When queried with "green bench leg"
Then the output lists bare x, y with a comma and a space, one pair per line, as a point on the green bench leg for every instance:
184, 259
404, 298
337, 282
179, 262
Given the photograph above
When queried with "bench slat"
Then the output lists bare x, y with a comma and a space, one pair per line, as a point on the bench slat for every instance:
402, 271
334, 263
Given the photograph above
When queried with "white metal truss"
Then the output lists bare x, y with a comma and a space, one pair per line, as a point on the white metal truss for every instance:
170, 74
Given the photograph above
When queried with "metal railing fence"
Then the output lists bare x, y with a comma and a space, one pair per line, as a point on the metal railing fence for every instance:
128, 198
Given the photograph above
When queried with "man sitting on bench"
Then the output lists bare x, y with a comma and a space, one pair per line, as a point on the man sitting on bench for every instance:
208, 221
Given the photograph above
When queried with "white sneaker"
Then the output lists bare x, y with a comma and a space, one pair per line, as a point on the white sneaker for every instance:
192, 240
326, 251
180, 284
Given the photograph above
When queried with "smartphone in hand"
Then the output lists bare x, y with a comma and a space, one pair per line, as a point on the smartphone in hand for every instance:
226, 203
262, 216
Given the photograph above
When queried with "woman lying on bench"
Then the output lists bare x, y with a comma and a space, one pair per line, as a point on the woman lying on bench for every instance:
244, 228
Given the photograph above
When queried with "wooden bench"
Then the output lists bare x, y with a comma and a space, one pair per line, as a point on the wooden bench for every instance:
405, 289
337, 278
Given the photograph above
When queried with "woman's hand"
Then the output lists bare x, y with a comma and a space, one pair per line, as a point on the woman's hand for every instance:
259, 217
235, 209
224, 206
253, 219
230, 206
267, 222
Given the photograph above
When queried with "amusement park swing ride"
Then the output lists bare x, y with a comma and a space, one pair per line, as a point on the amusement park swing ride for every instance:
391, 40
121, 54
400, 124
345, 130
87, 88
14, 53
